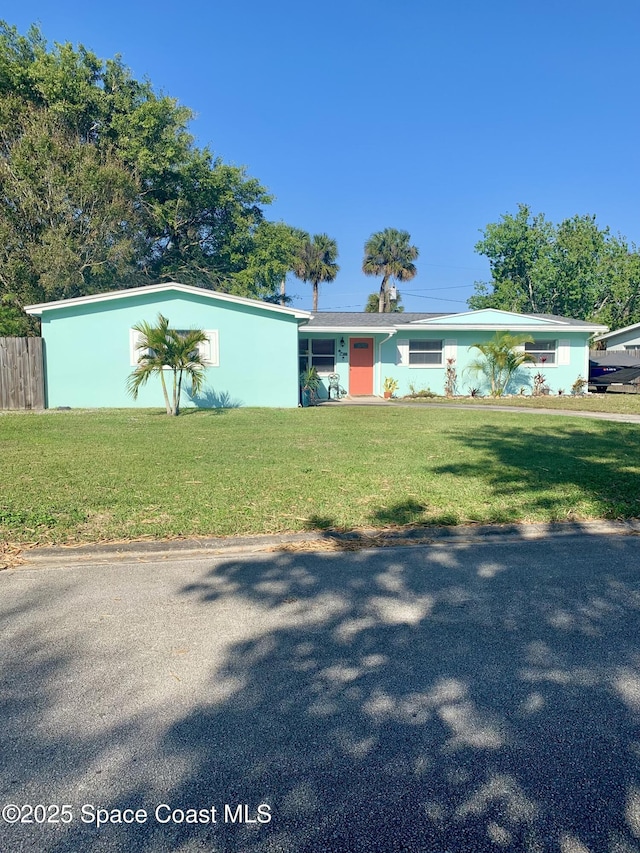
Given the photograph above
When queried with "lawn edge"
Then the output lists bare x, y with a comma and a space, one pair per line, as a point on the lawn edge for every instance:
322, 541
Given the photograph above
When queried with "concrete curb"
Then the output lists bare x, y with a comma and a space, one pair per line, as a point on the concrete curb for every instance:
323, 541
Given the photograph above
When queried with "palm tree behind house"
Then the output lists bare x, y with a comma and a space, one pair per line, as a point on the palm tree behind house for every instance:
389, 253
316, 262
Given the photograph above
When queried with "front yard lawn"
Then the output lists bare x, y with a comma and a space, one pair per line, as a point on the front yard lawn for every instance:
108, 475
623, 404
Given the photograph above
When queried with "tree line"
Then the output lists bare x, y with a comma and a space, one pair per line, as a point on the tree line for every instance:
102, 188
574, 269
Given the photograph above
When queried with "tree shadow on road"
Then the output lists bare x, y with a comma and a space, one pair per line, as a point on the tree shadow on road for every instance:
446, 698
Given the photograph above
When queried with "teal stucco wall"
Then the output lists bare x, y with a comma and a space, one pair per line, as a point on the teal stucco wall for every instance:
572, 346
88, 358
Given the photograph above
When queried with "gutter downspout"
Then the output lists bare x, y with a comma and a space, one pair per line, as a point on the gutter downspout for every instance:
388, 338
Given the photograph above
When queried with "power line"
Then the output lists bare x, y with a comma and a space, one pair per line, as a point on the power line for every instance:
418, 296
451, 267
436, 298
453, 287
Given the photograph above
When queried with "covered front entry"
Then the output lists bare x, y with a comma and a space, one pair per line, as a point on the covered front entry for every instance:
360, 367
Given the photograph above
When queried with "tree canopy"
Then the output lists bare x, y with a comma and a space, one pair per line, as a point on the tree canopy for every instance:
574, 269
373, 304
389, 253
316, 262
102, 186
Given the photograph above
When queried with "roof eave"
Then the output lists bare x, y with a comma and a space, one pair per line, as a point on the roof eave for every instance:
37, 310
492, 327
369, 330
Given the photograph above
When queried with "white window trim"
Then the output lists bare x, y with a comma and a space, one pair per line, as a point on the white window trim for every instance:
442, 362
135, 351
563, 352
209, 351
450, 350
538, 365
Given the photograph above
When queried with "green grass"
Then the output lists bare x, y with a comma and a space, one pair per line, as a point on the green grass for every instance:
626, 404
107, 475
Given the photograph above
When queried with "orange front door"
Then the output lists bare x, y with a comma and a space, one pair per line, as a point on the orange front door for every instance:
360, 367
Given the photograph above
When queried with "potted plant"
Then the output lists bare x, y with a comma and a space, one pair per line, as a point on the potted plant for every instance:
390, 386
309, 385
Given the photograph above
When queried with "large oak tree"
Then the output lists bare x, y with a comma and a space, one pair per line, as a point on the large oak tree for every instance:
102, 187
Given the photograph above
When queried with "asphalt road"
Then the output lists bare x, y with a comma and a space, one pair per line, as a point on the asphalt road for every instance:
460, 696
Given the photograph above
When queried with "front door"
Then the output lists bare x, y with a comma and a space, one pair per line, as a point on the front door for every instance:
361, 367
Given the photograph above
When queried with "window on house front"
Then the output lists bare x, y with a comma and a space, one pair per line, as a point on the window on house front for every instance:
317, 352
425, 353
544, 352
208, 349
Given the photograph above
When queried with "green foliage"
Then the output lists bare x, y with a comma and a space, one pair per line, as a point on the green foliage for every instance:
574, 269
515, 246
309, 379
163, 348
500, 359
272, 252
316, 262
390, 254
373, 304
310, 383
14, 323
70, 223
103, 187
390, 384
420, 393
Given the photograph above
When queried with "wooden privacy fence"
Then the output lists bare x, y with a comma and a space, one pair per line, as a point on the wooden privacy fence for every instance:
21, 373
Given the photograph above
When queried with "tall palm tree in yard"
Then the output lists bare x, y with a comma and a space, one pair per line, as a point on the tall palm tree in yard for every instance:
502, 356
389, 253
316, 262
165, 349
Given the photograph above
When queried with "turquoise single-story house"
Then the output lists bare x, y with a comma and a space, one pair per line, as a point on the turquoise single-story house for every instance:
255, 350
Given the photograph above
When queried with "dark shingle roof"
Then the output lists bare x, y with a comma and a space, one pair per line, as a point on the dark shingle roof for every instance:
361, 319
345, 319
569, 320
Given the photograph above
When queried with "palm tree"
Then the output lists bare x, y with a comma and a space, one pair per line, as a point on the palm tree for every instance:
164, 348
390, 254
316, 262
501, 359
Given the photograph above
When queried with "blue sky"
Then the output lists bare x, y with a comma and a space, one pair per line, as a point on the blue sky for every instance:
358, 115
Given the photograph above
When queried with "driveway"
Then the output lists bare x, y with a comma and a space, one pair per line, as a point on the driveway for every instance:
572, 413
459, 696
